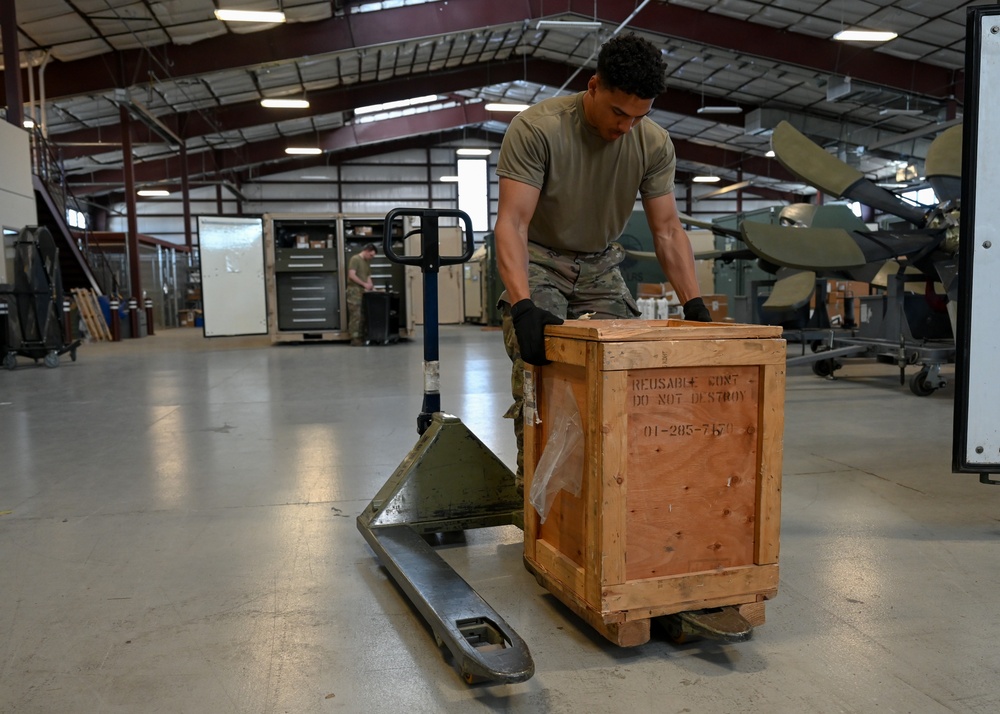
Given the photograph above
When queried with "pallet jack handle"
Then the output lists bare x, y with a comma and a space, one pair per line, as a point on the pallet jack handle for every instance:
429, 260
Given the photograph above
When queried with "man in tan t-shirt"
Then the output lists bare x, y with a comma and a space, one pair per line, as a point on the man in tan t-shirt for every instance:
570, 170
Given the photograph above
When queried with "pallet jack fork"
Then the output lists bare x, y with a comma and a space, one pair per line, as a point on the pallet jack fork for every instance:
450, 481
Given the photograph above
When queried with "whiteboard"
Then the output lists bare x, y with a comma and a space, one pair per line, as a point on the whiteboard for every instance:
234, 299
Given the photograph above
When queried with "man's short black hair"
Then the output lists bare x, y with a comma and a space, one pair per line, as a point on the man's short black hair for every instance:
632, 65
371, 247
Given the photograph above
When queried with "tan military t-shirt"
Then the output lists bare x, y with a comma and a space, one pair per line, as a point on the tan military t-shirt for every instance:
361, 267
588, 185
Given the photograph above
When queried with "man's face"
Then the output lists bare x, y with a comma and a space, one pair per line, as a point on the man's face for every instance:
614, 112
368, 254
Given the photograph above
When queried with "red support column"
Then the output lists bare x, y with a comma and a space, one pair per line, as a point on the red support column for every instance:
149, 316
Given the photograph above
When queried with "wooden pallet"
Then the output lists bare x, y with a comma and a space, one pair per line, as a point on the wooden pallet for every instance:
93, 317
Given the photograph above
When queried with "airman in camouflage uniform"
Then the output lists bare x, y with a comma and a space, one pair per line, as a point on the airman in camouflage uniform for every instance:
359, 281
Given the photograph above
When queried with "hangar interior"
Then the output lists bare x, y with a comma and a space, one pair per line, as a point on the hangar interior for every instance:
178, 512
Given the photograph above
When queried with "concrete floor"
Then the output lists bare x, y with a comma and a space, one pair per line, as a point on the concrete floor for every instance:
177, 534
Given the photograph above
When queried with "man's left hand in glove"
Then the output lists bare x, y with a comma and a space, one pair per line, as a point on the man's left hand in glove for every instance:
695, 310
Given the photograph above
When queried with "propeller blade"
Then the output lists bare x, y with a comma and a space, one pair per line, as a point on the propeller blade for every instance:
791, 291
821, 169
943, 165
804, 248
708, 225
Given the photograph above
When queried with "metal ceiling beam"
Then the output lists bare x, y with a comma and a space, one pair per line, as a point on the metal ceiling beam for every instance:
423, 129
339, 99
248, 114
353, 31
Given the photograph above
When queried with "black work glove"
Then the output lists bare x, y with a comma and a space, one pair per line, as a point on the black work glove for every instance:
529, 326
695, 310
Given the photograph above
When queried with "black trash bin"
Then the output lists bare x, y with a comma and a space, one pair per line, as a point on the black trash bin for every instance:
382, 315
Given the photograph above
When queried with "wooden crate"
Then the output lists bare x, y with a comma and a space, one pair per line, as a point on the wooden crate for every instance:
680, 502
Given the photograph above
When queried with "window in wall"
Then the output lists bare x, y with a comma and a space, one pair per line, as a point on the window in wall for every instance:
75, 218
473, 192
924, 196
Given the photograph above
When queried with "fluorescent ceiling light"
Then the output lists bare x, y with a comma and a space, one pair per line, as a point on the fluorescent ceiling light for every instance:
314, 178
706, 179
892, 185
901, 112
28, 124
720, 110
576, 24
309, 151
285, 103
770, 154
153, 192
504, 107
864, 36
372, 108
474, 152
449, 179
249, 16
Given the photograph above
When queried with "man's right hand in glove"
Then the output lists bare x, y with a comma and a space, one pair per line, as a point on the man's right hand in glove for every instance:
529, 326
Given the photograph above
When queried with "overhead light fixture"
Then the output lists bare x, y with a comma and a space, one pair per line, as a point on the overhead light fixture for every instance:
864, 36
249, 16
401, 104
720, 110
304, 150
770, 154
505, 107
309, 177
901, 112
563, 24
285, 103
706, 179
449, 179
474, 152
28, 124
152, 192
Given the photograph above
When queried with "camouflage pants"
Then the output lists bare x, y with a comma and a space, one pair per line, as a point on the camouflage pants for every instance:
356, 313
567, 285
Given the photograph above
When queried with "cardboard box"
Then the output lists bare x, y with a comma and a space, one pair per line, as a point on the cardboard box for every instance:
718, 306
649, 290
679, 500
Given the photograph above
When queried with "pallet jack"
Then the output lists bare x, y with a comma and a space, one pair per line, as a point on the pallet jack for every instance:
450, 481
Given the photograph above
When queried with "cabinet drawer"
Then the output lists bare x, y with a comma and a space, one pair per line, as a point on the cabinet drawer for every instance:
308, 301
296, 259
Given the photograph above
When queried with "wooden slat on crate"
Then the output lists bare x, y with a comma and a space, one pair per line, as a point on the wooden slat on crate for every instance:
614, 387
657, 330
613, 626
687, 592
688, 353
772, 418
593, 461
